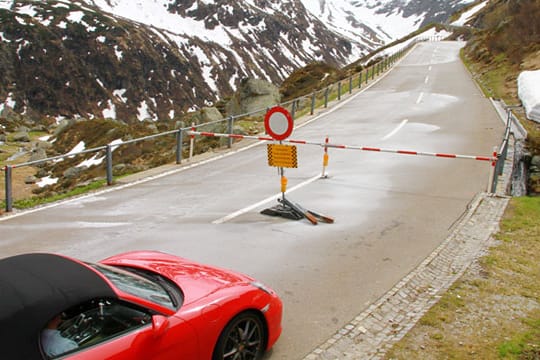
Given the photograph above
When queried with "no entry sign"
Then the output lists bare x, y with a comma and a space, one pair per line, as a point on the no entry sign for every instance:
278, 123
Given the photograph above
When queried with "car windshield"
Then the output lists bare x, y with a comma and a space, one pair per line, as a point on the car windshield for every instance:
137, 285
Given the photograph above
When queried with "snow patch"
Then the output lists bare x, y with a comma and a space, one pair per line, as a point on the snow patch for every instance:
76, 16
27, 10
529, 93
119, 93
46, 181
467, 15
110, 111
94, 160
81, 146
142, 111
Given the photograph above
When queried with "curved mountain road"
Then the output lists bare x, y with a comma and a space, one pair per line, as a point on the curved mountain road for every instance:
391, 210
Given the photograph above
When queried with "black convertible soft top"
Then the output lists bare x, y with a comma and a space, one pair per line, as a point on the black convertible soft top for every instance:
33, 289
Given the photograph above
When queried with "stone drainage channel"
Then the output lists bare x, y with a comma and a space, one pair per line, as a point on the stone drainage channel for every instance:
373, 332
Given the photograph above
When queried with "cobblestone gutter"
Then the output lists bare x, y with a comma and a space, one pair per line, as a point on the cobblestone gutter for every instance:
372, 333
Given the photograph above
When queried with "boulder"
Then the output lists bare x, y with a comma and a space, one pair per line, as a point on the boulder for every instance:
253, 95
21, 137
30, 180
63, 125
535, 161
22, 129
72, 173
205, 115
41, 173
43, 145
534, 183
38, 154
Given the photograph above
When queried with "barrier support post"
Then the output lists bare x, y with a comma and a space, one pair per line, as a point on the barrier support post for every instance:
492, 174
192, 142
339, 90
325, 159
360, 80
109, 165
179, 141
312, 111
350, 84
9, 191
283, 182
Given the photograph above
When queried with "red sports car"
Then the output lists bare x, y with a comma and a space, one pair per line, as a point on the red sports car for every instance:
138, 305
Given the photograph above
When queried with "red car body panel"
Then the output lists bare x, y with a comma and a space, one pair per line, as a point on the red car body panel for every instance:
198, 280
176, 343
212, 298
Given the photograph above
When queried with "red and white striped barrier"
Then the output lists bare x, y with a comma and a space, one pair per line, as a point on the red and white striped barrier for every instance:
492, 158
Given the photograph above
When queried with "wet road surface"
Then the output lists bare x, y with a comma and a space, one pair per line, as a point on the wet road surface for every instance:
391, 210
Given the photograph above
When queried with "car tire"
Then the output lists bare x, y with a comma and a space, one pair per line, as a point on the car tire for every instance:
243, 338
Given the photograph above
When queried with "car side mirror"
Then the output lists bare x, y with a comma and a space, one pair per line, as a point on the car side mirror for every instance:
160, 324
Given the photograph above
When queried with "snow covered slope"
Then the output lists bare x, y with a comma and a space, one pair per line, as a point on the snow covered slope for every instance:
156, 58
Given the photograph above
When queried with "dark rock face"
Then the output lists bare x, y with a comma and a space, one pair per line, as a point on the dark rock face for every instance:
61, 59
65, 60
52, 66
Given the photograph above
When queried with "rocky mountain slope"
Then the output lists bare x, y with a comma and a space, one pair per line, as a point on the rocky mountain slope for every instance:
383, 19
155, 60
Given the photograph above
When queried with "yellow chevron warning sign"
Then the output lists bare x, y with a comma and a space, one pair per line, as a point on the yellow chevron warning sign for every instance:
282, 156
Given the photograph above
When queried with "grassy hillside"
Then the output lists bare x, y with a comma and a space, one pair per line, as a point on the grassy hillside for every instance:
505, 43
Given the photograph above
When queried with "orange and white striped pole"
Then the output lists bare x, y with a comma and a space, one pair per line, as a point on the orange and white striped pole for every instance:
325, 159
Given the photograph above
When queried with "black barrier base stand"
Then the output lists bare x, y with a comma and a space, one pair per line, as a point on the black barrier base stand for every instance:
284, 211
294, 211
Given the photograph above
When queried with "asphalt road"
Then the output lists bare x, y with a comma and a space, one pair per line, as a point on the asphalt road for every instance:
391, 210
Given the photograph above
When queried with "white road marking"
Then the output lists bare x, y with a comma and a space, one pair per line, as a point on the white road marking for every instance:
420, 97
427, 80
262, 202
394, 132
430, 68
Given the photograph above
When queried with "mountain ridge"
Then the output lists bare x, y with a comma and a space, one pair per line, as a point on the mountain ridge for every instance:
98, 58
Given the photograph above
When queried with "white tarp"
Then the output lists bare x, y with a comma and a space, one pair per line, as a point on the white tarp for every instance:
529, 93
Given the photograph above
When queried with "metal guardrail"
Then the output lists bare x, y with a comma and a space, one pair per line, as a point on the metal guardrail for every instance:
512, 126
298, 106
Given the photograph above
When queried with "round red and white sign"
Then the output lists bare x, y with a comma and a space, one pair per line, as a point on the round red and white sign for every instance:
278, 123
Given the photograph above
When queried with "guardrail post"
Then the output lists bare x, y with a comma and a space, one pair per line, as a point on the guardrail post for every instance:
230, 124
179, 142
9, 192
339, 90
372, 72
360, 80
350, 84
192, 141
312, 111
293, 109
109, 165
326, 97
